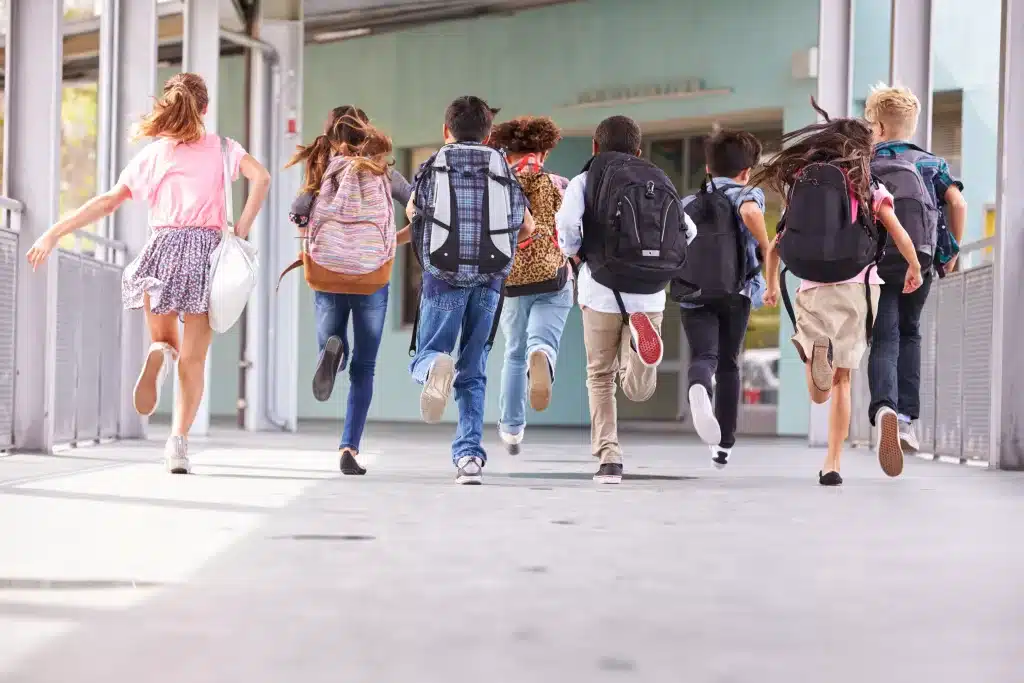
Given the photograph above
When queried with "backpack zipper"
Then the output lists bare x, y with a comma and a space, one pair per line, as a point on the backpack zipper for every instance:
635, 228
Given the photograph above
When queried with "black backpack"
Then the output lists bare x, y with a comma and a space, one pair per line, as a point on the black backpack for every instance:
716, 264
818, 239
915, 206
633, 227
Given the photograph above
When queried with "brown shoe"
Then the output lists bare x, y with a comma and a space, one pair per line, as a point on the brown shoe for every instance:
540, 381
889, 449
822, 371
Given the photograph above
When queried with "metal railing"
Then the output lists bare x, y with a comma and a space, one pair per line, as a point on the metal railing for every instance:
88, 363
956, 364
10, 223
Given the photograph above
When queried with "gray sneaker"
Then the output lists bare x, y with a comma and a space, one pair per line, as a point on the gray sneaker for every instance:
908, 436
176, 455
470, 470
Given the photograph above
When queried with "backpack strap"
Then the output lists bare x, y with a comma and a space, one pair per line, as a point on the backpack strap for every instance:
297, 263
785, 297
416, 324
497, 319
871, 308
622, 307
442, 213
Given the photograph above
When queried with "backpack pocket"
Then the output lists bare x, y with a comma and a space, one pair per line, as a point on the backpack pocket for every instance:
356, 248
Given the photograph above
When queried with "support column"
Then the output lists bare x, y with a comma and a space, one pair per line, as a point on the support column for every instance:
910, 60
273, 345
34, 58
201, 55
1007, 438
134, 83
835, 95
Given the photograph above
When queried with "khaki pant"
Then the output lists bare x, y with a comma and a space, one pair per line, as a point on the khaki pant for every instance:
609, 357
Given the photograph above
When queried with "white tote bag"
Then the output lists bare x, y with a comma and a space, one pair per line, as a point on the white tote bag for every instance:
233, 265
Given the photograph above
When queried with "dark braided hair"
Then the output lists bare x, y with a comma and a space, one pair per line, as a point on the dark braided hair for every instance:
846, 143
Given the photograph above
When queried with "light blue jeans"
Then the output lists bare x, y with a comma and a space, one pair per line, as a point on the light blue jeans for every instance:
529, 323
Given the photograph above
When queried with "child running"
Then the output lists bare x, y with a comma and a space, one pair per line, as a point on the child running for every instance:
467, 213
928, 193
724, 274
622, 220
346, 216
180, 176
538, 291
829, 238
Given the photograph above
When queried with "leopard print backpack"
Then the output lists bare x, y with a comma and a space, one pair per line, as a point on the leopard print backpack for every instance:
539, 265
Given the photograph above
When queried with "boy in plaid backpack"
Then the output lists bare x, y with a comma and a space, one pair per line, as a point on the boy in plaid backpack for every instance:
467, 213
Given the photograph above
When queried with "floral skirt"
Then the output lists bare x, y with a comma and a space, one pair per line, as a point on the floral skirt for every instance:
174, 270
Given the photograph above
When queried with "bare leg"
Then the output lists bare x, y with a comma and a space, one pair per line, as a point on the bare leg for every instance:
838, 419
162, 328
191, 372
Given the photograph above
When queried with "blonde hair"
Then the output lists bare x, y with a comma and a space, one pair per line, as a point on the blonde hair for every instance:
178, 113
895, 107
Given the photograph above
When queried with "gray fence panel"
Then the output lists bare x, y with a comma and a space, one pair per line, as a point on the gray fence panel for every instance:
87, 397
949, 361
929, 343
8, 278
109, 314
69, 326
977, 361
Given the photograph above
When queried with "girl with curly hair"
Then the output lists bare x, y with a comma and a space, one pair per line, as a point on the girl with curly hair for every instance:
538, 291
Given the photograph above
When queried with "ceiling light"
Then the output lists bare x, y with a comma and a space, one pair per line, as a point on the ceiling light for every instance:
328, 36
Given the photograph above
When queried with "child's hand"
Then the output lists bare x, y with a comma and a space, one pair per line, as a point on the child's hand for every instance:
913, 279
40, 250
771, 296
951, 266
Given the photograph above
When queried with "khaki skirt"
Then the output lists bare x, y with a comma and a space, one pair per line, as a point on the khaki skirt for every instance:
838, 312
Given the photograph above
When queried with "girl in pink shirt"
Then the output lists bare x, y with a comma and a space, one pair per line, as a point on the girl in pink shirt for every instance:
832, 318
180, 176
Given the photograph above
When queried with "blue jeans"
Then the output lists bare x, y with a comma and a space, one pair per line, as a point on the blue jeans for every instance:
529, 323
444, 314
368, 312
894, 366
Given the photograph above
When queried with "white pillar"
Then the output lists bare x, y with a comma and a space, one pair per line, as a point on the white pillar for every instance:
1007, 438
201, 55
835, 95
134, 70
34, 55
274, 328
910, 61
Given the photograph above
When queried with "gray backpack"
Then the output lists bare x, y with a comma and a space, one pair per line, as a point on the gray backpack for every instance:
465, 245
915, 207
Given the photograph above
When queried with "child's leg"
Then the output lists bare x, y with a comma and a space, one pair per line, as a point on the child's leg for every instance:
332, 314
544, 334
602, 333
515, 315
908, 368
637, 376
885, 350
471, 372
838, 419
701, 326
732, 328
432, 366
817, 395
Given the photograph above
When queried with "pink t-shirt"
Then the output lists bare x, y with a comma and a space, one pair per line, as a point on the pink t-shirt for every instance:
182, 183
880, 196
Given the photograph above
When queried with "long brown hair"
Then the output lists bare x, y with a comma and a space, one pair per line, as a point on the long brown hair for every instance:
845, 143
347, 132
178, 113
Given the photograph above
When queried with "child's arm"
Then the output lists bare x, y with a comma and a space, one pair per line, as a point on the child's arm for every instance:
410, 208
753, 218
569, 219
404, 236
957, 207
771, 274
96, 208
527, 228
902, 240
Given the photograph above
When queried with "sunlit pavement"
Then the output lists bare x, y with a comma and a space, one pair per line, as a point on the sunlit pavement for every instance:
268, 566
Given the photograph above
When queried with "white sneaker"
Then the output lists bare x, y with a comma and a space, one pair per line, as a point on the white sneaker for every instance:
437, 389
720, 457
159, 361
887, 446
470, 470
703, 414
908, 435
511, 441
176, 455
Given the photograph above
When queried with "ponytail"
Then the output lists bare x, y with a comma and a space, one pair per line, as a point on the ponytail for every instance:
348, 133
178, 113
316, 156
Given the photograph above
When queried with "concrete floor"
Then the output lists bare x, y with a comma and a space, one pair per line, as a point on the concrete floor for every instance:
269, 567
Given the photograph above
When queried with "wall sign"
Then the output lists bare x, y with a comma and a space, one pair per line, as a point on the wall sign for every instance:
602, 97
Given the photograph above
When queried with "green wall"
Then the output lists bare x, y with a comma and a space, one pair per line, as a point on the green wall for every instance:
533, 63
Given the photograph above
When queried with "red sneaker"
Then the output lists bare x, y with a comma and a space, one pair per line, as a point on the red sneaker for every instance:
646, 340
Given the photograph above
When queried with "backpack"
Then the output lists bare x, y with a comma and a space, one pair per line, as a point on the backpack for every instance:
915, 206
633, 227
817, 239
539, 265
716, 260
350, 240
451, 239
